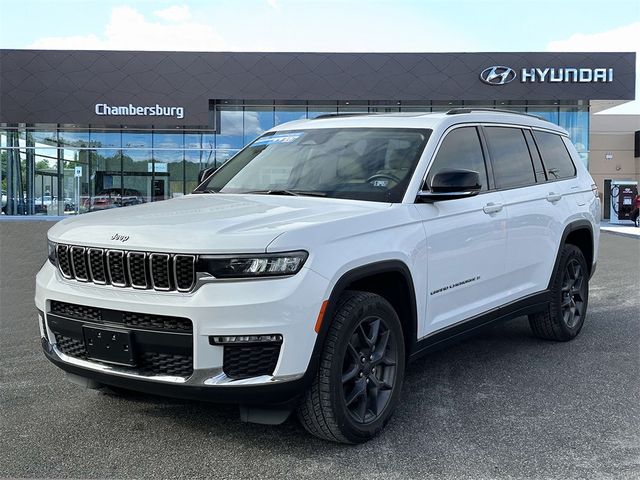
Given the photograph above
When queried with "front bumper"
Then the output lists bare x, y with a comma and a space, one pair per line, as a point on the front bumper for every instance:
200, 386
286, 306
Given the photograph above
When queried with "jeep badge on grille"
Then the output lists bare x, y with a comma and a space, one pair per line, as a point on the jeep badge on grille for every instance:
122, 238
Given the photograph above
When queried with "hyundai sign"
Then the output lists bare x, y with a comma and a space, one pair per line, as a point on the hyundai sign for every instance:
501, 75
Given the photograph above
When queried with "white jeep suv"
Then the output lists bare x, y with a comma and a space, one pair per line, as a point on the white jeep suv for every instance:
311, 267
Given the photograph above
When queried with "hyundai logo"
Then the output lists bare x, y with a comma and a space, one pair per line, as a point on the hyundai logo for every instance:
498, 75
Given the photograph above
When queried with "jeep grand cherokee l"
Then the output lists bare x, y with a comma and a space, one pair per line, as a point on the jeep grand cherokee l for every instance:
311, 267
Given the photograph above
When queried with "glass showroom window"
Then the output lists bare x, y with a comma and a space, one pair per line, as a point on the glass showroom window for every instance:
105, 171
168, 165
74, 138
43, 182
548, 113
257, 120
72, 155
45, 136
575, 120
17, 172
289, 114
199, 153
137, 167
231, 137
105, 180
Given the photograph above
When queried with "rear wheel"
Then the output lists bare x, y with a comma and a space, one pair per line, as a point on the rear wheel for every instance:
566, 313
361, 371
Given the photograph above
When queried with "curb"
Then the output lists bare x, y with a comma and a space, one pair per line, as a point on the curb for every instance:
621, 234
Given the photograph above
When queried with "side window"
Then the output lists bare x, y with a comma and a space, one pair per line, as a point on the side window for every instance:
460, 149
555, 156
510, 157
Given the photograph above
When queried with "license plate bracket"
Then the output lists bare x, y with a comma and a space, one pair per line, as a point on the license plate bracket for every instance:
109, 345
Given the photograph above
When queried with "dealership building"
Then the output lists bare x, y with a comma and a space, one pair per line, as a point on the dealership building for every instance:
77, 127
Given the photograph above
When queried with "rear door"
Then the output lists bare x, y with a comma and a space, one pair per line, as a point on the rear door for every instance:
532, 207
466, 238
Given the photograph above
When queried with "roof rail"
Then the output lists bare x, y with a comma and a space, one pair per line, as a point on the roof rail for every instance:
333, 115
458, 111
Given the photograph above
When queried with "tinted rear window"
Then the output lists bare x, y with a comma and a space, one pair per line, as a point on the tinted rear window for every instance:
555, 156
509, 157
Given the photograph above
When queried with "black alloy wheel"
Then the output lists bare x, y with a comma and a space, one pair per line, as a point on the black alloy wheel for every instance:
369, 369
573, 294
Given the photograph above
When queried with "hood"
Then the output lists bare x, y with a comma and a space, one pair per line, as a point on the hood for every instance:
205, 223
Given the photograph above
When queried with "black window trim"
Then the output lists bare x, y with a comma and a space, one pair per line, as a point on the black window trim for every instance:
487, 157
531, 145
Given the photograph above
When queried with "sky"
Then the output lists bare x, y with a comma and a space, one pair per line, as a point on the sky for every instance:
324, 26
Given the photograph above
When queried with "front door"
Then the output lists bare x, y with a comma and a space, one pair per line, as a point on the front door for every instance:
466, 239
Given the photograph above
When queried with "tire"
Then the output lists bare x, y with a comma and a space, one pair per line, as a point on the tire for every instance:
565, 315
361, 370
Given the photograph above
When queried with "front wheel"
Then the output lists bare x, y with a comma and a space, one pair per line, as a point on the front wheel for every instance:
566, 312
361, 371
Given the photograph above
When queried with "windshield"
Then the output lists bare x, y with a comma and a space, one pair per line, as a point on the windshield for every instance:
373, 164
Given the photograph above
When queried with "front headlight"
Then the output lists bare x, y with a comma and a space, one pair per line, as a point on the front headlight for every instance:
251, 266
52, 252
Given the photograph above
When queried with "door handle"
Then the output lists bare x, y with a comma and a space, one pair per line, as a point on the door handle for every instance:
491, 207
553, 197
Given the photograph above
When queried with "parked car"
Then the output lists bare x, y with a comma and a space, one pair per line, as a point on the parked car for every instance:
69, 204
4, 202
116, 197
635, 213
45, 204
309, 269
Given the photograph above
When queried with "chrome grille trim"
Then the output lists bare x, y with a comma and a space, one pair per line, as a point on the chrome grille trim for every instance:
122, 268
155, 277
141, 286
96, 276
175, 272
120, 255
79, 266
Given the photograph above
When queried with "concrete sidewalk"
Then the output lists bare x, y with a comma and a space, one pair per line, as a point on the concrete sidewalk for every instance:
626, 230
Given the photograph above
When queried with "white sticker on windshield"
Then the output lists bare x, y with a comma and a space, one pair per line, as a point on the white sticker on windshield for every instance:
279, 138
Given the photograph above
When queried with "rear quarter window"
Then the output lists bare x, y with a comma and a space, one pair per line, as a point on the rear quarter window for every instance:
555, 156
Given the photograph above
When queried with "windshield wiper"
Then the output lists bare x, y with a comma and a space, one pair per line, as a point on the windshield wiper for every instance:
295, 193
206, 190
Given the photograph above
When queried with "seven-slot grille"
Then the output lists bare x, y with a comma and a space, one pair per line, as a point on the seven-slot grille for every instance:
142, 270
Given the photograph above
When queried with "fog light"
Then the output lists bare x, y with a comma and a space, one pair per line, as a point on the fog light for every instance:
244, 339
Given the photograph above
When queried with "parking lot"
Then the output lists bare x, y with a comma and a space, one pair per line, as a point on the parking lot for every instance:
501, 405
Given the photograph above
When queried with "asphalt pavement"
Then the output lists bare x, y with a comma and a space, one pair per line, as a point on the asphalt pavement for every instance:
502, 405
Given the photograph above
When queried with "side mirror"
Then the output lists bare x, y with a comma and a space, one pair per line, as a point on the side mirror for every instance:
451, 184
205, 173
